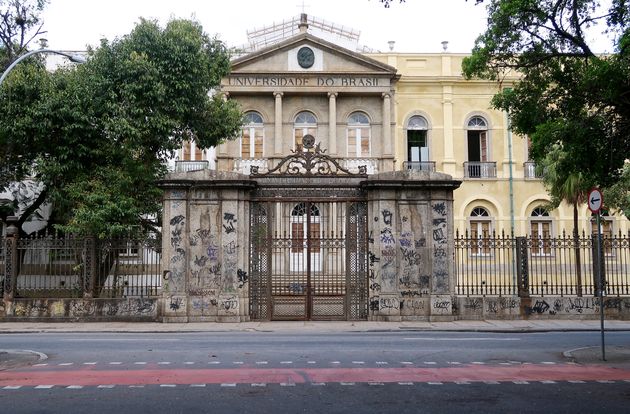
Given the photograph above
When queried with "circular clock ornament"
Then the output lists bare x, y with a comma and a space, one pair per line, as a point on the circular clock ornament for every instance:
305, 57
308, 141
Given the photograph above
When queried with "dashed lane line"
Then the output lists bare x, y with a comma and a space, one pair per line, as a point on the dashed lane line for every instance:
315, 384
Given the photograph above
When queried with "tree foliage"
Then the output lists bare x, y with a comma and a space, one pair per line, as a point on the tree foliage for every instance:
567, 98
99, 134
20, 24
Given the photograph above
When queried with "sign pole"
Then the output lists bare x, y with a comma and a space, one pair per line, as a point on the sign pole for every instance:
595, 202
600, 282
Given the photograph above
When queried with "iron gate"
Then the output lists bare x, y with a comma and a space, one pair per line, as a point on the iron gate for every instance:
308, 240
308, 260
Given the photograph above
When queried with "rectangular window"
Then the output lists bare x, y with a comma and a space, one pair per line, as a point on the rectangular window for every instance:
607, 234
480, 238
417, 149
252, 143
541, 238
358, 142
189, 154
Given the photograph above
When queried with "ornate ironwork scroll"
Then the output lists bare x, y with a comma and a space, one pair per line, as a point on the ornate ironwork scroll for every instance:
311, 160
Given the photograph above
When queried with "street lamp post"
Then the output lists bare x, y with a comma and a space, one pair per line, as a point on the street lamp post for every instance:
73, 58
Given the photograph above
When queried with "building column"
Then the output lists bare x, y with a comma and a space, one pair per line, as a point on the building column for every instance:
448, 164
332, 122
277, 145
387, 125
223, 148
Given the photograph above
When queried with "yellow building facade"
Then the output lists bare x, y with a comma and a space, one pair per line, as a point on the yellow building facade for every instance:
451, 119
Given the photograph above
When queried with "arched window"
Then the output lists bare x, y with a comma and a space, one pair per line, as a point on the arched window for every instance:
305, 124
480, 231
478, 152
540, 227
417, 146
358, 135
305, 237
252, 137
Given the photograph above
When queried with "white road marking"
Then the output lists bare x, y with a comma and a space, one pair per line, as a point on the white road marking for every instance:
429, 363
65, 364
168, 385
89, 363
578, 382
189, 363
311, 362
435, 383
478, 363
136, 386
287, 384
405, 383
335, 362
462, 382
231, 384
406, 362
164, 363
346, 383
12, 387
454, 363
115, 363
375, 383
286, 362
140, 363
606, 381
358, 362
74, 387
548, 363
238, 362
382, 363
40, 365
491, 382
106, 386
461, 339
261, 362
521, 382
198, 385
259, 384
548, 382
318, 384
214, 362
43, 387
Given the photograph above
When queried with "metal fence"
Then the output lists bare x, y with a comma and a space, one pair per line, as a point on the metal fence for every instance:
500, 265
52, 266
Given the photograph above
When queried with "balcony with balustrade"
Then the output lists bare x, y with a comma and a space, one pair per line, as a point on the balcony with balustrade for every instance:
480, 170
188, 165
529, 171
419, 165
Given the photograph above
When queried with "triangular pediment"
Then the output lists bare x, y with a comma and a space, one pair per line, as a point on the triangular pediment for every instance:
326, 56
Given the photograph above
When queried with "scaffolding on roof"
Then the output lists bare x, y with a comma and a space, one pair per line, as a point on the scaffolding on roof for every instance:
277, 32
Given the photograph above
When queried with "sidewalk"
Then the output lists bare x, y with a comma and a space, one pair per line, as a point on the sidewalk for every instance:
307, 327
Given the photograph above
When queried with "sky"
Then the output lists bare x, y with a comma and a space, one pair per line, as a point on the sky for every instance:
416, 25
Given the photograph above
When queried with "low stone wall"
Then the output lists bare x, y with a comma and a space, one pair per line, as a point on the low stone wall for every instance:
547, 307
74, 310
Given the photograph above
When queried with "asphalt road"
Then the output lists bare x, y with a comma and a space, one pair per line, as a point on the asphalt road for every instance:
313, 372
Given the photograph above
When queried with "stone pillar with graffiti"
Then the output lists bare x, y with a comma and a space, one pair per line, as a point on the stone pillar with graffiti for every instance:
411, 267
204, 247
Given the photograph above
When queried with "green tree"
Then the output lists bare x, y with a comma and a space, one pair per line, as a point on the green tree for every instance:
98, 135
566, 98
20, 24
571, 187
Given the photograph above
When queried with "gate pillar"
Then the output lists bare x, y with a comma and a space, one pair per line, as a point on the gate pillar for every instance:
411, 257
205, 240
